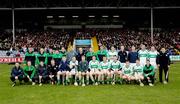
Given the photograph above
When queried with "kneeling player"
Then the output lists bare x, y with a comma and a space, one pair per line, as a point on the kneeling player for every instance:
63, 67
138, 72
42, 73
116, 69
52, 71
104, 70
93, 66
16, 74
83, 71
149, 73
127, 71
29, 72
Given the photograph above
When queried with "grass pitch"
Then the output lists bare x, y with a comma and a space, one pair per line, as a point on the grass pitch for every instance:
102, 94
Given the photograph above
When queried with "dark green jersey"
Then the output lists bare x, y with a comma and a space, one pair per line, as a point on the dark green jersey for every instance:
29, 70
83, 66
49, 58
30, 57
148, 70
89, 56
101, 54
63, 53
57, 58
41, 57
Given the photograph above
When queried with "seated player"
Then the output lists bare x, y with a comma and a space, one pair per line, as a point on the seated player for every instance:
16, 74
63, 67
149, 73
73, 70
83, 71
29, 72
127, 72
94, 66
52, 72
42, 73
138, 72
116, 69
104, 70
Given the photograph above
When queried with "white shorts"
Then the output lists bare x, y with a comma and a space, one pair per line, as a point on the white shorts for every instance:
73, 72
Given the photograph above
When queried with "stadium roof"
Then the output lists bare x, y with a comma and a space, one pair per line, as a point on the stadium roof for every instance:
87, 3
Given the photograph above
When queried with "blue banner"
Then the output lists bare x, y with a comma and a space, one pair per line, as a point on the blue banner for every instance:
83, 42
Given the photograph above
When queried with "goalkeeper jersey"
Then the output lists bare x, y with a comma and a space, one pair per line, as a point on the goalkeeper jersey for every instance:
93, 64
115, 65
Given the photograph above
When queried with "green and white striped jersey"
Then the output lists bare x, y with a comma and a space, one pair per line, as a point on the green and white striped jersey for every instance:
127, 70
115, 65
104, 65
152, 56
138, 69
93, 64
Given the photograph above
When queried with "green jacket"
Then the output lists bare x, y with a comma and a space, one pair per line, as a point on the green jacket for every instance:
29, 68
30, 57
148, 70
41, 57
100, 54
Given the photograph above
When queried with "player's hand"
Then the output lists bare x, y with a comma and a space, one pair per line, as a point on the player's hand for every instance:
168, 66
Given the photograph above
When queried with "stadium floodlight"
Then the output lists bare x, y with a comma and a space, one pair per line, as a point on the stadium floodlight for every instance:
49, 16
105, 16
61, 16
91, 16
116, 16
75, 16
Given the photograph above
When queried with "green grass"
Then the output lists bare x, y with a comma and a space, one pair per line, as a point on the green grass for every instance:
103, 94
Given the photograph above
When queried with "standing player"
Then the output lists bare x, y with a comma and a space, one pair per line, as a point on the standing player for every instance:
127, 72
93, 66
112, 53
16, 74
116, 69
63, 67
163, 62
63, 51
101, 53
83, 71
138, 72
143, 55
89, 55
49, 56
57, 57
42, 73
122, 55
133, 56
29, 72
104, 70
152, 55
30, 56
149, 73
52, 72
41, 56
80, 54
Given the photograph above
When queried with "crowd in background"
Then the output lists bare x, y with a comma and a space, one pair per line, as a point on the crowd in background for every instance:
107, 38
